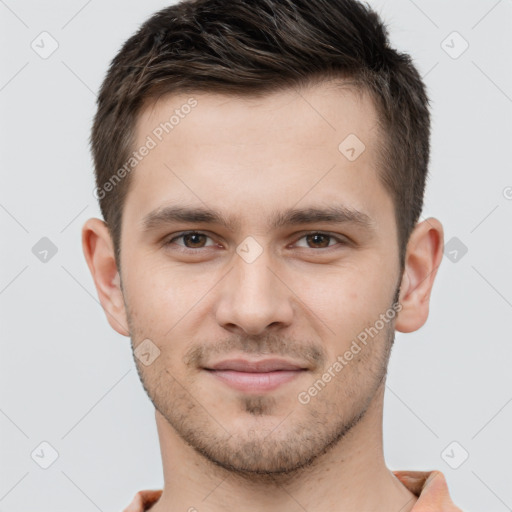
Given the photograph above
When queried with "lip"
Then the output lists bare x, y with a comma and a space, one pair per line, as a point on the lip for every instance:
255, 376
261, 366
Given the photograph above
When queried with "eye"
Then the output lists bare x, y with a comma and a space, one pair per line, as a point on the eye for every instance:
321, 240
191, 240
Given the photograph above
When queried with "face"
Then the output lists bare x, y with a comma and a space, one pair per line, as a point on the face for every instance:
254, 252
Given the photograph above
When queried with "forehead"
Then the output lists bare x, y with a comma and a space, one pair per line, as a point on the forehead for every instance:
285, 145
298, 115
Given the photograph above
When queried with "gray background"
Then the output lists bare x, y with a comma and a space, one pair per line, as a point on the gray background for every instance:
68, 379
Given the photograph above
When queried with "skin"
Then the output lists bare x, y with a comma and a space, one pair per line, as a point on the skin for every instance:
304, 299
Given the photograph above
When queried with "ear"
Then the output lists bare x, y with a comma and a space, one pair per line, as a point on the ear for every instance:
423, 257
99, 254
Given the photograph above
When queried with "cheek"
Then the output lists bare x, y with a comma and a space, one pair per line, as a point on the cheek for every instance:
164, 301
347, 301
157, 287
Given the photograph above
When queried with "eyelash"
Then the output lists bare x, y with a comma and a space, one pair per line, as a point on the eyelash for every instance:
340, 240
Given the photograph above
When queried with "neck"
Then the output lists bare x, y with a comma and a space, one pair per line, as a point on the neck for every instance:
350, 476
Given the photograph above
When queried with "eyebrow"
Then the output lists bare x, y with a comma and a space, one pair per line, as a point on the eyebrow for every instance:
336, 214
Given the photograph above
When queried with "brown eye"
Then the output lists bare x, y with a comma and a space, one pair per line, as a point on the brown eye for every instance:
190, 240
194, 240
320, 241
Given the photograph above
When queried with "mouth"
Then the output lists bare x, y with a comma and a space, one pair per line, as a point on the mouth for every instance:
256, 376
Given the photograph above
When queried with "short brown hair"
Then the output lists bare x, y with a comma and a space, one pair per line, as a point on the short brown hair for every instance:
254, 47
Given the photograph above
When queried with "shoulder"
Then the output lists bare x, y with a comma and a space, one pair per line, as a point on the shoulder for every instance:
431, 489
143, 500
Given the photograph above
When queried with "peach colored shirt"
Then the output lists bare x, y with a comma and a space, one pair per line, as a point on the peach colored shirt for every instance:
429, 486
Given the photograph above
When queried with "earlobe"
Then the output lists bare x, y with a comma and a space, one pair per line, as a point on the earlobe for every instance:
423, 257
99, 253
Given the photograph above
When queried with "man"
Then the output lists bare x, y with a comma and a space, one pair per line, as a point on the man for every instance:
260, 168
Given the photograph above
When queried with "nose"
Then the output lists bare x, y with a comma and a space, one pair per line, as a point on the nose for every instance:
254, 297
